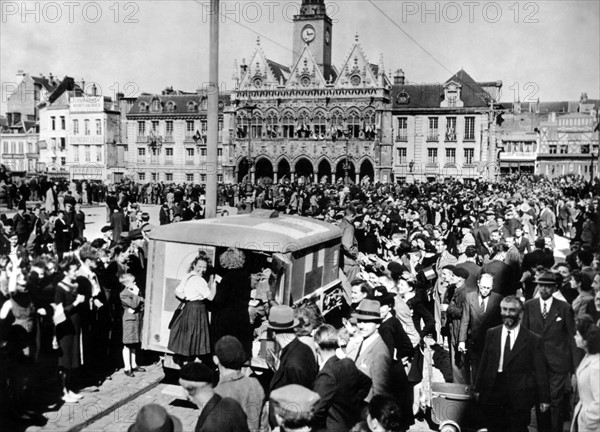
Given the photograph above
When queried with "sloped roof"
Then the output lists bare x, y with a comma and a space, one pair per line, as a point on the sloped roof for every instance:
50, 86
67, 84
431, 95
181, 103
280, 71
419, 95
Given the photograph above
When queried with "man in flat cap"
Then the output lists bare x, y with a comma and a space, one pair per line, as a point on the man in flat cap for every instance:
554, 321
293, 407
233, 383
217, 414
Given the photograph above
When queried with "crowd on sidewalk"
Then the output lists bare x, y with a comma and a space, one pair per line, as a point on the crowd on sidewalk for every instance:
463, 270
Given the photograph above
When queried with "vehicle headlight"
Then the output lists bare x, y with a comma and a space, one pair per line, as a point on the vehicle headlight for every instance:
449, 426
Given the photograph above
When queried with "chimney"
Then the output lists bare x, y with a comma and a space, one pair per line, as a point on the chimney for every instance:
399, 78
21, 73
94, 90
83, 85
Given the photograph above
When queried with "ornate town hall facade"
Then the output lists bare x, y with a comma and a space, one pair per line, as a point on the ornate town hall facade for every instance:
313, 121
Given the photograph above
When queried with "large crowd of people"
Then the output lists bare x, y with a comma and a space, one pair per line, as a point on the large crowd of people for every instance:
461, 276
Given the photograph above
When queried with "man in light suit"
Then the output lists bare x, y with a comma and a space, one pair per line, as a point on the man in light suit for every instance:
554, 321
372, 357
481, 311
512, 376
341, 386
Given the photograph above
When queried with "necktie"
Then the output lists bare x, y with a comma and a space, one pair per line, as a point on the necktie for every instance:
506, 351
359, 349
482, 307
544, 312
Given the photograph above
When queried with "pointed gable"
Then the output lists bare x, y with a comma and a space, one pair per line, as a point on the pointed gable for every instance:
306, 73
357, 72
260, 74
470, 93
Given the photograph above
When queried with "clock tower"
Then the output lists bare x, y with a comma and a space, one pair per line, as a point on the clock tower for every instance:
313, 27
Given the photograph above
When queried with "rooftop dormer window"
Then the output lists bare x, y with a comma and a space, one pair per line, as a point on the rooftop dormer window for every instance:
171, 106
192, 106
156, 106
452, 95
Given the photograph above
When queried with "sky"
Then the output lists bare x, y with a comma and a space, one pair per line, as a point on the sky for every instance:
545, 49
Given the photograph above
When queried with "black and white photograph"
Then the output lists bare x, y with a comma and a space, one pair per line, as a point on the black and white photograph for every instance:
299, 215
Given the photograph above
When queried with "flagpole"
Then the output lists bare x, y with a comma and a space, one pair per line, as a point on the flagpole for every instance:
212, 136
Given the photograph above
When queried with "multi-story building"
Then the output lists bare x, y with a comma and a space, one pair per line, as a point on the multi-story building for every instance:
443, 130
76, 131
518, 137
550, 138
166, 137
19, 149
23, 102
569, 142
311, 120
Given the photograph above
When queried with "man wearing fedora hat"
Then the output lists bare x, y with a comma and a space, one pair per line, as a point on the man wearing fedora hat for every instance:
372, 356
154, 418
297, 363
554, 321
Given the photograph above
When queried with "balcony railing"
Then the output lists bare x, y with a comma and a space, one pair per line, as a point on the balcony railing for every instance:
402, 138
433, 136
450, 137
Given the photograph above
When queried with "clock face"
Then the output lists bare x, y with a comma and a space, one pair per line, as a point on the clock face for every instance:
308, 34
327, 37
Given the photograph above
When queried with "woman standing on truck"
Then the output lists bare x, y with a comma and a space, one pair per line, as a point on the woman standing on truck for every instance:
189, 337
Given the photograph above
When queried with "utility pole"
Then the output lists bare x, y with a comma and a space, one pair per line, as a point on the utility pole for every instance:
492, 143
212, 141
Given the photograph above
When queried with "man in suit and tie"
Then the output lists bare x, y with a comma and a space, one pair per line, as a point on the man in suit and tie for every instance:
554, 321
372, 357
481, 311
512, 376
341, 386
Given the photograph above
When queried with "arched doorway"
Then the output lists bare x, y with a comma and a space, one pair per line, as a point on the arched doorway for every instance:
264, 168
243, 170
366, 169
324, 171
344, 167
283, 171
304, 169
